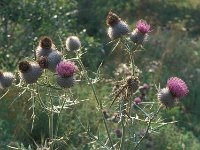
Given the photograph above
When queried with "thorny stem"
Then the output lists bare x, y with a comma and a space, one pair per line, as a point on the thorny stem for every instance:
51, 119
131, 52
33, 107
4, 94
148, 127
122, 107
62, 106
96, 98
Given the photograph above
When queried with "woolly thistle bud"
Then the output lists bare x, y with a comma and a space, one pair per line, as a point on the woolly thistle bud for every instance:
116, 27
140, 34
137, 100
29, 71
6, 79
65, 82
43, 62
45, 47
144, 89
45, 43
166, 98
53, 59
73, 43
112, 19
177, 87
132, 83
118, 133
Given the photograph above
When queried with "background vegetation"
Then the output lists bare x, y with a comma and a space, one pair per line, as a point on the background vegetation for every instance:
173, 49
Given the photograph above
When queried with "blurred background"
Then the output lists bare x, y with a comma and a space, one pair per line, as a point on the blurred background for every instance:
173, 49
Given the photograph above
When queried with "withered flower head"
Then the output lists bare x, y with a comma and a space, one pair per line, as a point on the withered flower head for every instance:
43, 62
24, 66
45, 42
112, 19
132, 83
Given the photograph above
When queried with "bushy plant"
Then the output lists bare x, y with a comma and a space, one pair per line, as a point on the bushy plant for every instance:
48, 82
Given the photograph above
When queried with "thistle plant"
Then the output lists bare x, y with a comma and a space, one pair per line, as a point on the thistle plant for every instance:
51, 76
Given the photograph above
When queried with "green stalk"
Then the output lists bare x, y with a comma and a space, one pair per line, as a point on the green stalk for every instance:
96, 98
122, 109
51, 120
58, 120
148, 127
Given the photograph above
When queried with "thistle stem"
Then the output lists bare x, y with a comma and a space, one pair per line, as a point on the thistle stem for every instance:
122, 109
96, 98
148, 127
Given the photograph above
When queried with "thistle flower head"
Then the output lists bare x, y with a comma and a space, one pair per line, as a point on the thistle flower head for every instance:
118, 133
146, 86
137, 100
177, 87
66, 68
45, 42
143, 27
132, 83
112, 19
166, 98
24, 66
116, 26
73, 43
6, 79
43, 62
144, 89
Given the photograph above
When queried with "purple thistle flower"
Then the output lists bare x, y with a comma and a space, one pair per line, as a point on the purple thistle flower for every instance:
137, 100
66, 68
118, 133
143, 27
177, 87
146, 86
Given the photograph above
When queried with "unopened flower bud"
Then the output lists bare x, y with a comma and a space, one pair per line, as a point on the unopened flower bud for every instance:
45, 47
118, 133
116, 27
166, 98
6, 79
73, 43
29, 71
140, 34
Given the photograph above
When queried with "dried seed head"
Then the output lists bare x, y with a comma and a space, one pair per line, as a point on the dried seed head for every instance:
24, 66
43, 62
45, 42
112, 19
132, 83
